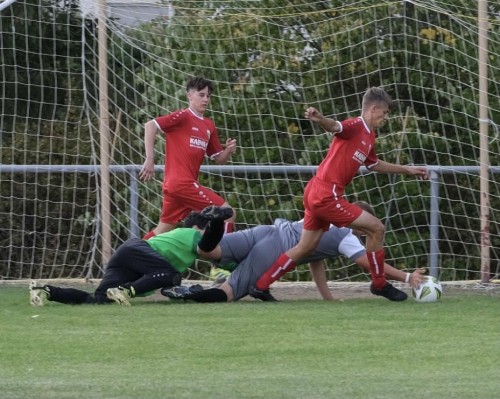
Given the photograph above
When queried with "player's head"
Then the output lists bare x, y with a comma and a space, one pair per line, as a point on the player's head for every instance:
195, 219
376, 105
199, 91
198, 83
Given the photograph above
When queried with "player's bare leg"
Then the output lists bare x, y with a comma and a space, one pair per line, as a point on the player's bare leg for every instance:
374, 230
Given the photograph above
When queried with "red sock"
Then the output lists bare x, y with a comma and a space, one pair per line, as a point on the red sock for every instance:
376, 260
280, 267
228, 227
149, 235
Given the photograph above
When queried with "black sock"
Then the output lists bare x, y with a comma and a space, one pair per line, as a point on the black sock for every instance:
153, 281
70, 296
210, 295
212, 235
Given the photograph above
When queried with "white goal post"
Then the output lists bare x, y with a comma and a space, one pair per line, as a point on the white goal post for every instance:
268, 60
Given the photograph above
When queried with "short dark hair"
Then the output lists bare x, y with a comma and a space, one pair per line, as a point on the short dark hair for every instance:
195, 219
365, 206
376, 95
198, 84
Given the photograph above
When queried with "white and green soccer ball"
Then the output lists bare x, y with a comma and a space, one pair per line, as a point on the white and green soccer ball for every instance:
429, 291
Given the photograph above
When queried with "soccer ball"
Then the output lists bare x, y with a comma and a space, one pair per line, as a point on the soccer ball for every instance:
429, 291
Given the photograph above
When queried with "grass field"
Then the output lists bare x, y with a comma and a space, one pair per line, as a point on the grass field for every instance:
360, 348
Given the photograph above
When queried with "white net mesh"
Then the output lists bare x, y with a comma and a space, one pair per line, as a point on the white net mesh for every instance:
268, 61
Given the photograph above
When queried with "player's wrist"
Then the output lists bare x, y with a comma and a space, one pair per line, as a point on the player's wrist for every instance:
407, 278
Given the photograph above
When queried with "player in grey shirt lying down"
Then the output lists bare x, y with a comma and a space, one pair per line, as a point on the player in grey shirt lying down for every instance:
249, 253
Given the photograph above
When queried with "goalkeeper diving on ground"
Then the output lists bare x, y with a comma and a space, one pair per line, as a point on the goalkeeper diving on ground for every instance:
139, 266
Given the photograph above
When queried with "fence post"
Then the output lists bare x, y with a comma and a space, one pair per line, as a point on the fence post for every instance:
434, 225
134, 205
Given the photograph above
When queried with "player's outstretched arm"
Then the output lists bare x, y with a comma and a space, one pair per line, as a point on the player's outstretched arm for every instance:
318, 274
392, 273
387, 167
148, 169
417, 277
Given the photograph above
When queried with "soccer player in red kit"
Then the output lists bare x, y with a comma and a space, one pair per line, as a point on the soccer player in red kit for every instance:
189, 138
353, 145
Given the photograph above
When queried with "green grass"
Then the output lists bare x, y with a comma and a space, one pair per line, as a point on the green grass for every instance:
369, 348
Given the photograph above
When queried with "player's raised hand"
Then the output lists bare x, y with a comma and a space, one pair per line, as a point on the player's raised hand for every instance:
313, 114
231, 145
148, 170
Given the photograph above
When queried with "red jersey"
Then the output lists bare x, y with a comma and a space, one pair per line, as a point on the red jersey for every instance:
352, 147
188, 139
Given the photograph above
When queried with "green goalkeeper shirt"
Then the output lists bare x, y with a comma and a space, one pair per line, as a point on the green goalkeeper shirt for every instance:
178, 247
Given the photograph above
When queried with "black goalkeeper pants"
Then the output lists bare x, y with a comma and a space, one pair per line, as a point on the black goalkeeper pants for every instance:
134, 264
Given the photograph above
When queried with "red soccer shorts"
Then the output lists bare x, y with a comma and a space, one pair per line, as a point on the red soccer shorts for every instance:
187, 198
324, 205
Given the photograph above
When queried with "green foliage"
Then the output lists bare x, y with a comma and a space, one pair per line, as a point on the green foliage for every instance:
39, 84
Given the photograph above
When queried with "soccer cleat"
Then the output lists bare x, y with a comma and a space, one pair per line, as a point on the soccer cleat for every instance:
38, 295
120, 295
181, 291
265, 295
217, 212
390, 292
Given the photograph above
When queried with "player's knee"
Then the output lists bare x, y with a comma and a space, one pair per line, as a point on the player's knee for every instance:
232, 218
378, 230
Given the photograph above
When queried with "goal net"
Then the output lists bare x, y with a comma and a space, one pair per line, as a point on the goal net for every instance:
268, 60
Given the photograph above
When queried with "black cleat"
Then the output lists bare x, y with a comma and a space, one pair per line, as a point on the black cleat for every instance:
181, 291
390, 292
265, 296
217, 212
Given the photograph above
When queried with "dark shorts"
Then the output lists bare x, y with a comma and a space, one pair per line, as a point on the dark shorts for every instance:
132, 260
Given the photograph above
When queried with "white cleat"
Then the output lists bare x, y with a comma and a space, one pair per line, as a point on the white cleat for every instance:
120, 295
38, 295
